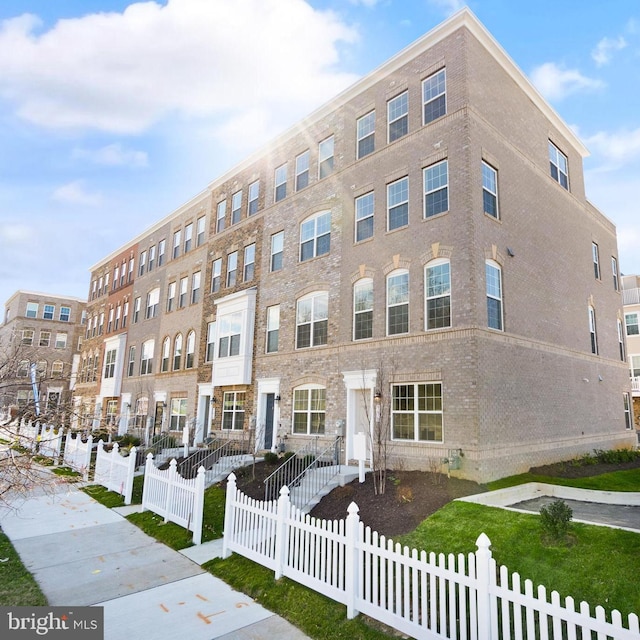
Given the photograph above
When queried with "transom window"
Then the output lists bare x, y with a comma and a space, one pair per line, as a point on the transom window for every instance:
631, 322
365, 131
302, 170
398, 303
229, 335
398, 116
315, 236
364, 216
493, 275
434, 97
325, 158
438, 294
558, 166
398, 204
233, 404
312, 320
309, 406
416, 412
436, 189
490, 190
280, 183
363, 309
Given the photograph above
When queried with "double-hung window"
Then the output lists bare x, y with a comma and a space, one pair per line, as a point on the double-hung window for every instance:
614, 272
628, 421
363, 309
195, 287
632, 324
27, 337
216, 274
325, 157
315, 236
595, 253
131, 362
182, 298
621, 341
312, 320
558, 166
236, 207
176, 243
493, 275
364, 216
398, 116
438, 294
221, 214
309, 406
398, 302
416, 412
232, 269
153, 300
365, 134
201, 226
249, 262
171, 297
178, 414
190, 352
177, 352
490, 190
592, 330
211, 344
302, 170
146, 357
280, 183
32, 310
110, 363
142, 261
188, 237
49, 312
273, 328
436, 189
166, 355
136, 310
230, 328
233, 403
152, 257
45, 338
277, 248
65, 314
398, 204
254, 195
434, 97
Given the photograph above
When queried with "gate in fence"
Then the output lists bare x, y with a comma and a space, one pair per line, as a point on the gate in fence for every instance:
114, 471
422, 595
77, 453
50, 443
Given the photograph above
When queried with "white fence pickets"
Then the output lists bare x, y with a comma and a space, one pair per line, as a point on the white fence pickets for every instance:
114, 471
28, 434
51, 442
173, 497
77, 453
424, 596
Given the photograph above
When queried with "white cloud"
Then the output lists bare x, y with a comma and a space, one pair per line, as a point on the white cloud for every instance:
604, 50
14, 233
615, 148
113, 155
555, 83
366, 3
123, 72
75, 193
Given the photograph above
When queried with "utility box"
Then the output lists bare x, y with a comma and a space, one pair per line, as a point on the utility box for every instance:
453, 457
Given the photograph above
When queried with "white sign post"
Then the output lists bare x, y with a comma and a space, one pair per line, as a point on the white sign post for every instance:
360, 453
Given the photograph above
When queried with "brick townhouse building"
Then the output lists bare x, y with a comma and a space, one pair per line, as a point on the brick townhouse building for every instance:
631, 302
419, 252
44, 331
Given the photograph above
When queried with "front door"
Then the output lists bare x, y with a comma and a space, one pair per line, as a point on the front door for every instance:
268, 421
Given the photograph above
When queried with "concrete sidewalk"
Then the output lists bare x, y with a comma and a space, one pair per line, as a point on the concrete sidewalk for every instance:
82, 553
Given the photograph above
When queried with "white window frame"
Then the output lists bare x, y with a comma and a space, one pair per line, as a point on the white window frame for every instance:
146, 357
326, 151
166, 355
280, 183
190, 350
153, 302
253, 198
232, 269
236, 207
188, 237
398, 198
277, 251
437, 287
364, 216
216, 275
397, 295
177, 353
171, 296
434, 97
31, 310
312, 310
363, 308
273, 329
614, 273
303, 164
595, 256
233, 410
221, 215
309, 410
410, 405
61, 340
142, 261
490, 190
593, 330
177, 240
397, 110
49, 312
182, 292
230, 334
195, 287
249, 262
201, 228
494, 293
436, 183
558, 166
628, 322
211, 342
365, 132
315, 232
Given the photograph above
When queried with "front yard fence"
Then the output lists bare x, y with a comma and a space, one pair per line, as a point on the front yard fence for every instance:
428, 596
77, 453
50, 443
114, 471
173, 497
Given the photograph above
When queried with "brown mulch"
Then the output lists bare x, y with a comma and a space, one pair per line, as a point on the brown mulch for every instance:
409, 496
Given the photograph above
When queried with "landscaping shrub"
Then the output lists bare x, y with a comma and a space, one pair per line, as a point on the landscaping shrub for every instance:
555, 519
271, 458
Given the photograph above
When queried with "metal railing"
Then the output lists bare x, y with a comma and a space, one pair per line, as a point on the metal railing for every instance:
216, 455
631, 296
635, 384
305, 473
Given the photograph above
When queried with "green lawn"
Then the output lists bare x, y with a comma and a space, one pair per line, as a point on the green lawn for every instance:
17, 586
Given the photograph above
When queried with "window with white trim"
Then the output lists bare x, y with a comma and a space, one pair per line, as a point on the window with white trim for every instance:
195, 287
146, 357
280, 183
153, 302
434, 98
416, 412
45, 338
142, 261
254, 195
595, 253
110, 321
493, 275
315, 236
182, 295
632, 325
190, 351
230, 328
27, 337
325, 157
178, 414
152, 257
171, 297
211, 341
22, 370
236, 207
490, 190
131, 362
32, 310
628, 418
249, 263
277, 248
176, 243
309, 408
312, 320
365, 206
436, 189
621, 341
57, 369
132, 265
363, 309
188, 237
398, 116
136, 309
125, 314
177, 352
233, 403
302, 170
166, 355
614, 272
110, 363
437, 281
232, 268
365, 134
398, 204
221, 213
101, 324
593, 334
118, 317
201, 227
216, 275
558, 166
398, 302
273, 328
49, 311
61, 340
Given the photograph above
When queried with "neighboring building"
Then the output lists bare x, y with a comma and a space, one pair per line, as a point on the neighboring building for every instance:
39, 338
419, 251
631, 301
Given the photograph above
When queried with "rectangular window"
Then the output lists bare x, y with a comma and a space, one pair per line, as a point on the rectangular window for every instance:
621, 341
558, 166
123, 273
182, 296
438, 295
171, 297
178, 415
152, 257
125, 313
216, 273
229, 335
153, 302
161, 249
364, 216
233, 410
493, 276
116, 277
628, 418
398, 304
131, 362
254, 195
142, 261
211, 336
614, 272
45, 338
32, 310
236, 207
309, 406
27, 337
312, 320
363, 309
176, 243
118, 317
132, 264
106, 283
232, 268
398, 116
195, 287
398, 204
434, 97
315, 236
110, 363
188, 237
490, 190
201, 226
273, 328
221, 214
632, 325
61, 341
416, 412
146, 358
325, 157
302, 170
101, 324
110, 321
49, 311
592, 331
65, 314
596, 260
436, 189
136, 310
365, 134
277, 247
280, 183
249, 262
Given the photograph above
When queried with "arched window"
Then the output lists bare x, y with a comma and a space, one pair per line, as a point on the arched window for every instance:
309, 404
191, 350
177, 352
363, 309
437, 284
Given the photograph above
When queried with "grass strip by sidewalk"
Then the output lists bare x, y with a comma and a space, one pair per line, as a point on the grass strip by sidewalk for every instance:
17, 586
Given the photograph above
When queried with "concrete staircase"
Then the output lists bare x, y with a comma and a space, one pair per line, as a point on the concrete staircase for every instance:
298, 494
225, 465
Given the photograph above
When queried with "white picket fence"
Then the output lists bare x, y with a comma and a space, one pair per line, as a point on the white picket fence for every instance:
173, 497
77, 454
115, 471
422, 595
50, 442
28, 434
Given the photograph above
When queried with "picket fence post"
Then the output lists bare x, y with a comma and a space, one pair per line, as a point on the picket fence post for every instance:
172, 478
352, 527
147, 480
131, 468
483, 558
282, 539
198, 506
229, 514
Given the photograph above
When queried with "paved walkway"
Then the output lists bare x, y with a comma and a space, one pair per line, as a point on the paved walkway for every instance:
82, 553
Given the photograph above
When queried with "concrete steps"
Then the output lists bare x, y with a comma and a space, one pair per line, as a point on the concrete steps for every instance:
298, 495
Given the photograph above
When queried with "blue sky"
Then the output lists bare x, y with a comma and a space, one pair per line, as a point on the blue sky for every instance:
113, 113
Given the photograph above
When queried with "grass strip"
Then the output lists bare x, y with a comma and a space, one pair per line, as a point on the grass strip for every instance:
17, 586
